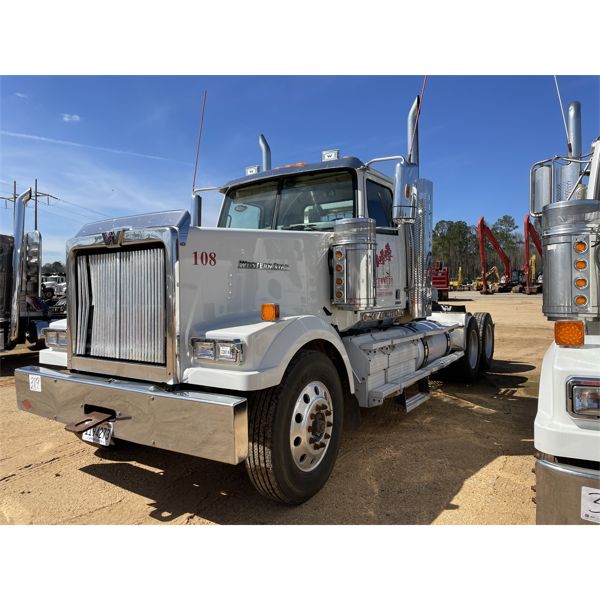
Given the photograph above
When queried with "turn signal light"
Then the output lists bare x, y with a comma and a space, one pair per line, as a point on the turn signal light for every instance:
580, 246
269, 312
580, 300
581, 264
581, 282
569, 333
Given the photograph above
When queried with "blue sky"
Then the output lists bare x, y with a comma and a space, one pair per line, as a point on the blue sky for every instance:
124, 145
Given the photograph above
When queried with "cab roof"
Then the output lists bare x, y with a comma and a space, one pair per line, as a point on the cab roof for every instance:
347, 162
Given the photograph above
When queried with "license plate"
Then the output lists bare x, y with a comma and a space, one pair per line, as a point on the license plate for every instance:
590, 504
100, 434
35, 383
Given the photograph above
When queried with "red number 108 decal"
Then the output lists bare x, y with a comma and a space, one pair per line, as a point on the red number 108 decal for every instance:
205, 258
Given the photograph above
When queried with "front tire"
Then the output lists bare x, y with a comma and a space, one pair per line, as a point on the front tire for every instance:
295, 430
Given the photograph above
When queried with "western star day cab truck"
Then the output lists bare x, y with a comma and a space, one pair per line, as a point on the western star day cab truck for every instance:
565, 194
256, 340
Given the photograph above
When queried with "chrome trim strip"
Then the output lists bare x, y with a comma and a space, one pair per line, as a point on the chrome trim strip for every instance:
212, 426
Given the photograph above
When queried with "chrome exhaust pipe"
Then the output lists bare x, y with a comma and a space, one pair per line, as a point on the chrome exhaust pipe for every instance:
574, 128
266, 153
17, 262
412, 139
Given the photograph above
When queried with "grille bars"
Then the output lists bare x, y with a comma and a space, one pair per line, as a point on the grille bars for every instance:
121, 303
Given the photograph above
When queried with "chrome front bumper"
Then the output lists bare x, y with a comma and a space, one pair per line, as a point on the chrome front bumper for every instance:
212, 426
558, 492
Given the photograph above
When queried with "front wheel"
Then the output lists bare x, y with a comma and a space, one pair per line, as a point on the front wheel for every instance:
295, 430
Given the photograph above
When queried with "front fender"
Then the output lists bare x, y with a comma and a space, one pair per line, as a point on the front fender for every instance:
269, 349
297, 334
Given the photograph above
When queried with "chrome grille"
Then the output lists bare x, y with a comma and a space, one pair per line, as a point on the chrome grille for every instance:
121, 305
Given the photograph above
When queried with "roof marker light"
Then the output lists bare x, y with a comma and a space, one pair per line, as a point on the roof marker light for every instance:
327, 155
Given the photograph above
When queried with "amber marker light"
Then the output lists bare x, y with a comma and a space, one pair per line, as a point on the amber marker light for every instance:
269, 312
580, 300
580, 264
339, 268
339, 281
580, 246
338, 255
581, 282
338, 294
569, 333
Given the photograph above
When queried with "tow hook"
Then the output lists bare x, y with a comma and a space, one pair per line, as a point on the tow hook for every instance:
91, 420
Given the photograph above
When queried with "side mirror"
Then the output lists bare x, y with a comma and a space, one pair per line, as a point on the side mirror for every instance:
540, 193
403, 208
197, 210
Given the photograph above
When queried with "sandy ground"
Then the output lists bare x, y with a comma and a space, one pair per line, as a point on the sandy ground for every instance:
463, 457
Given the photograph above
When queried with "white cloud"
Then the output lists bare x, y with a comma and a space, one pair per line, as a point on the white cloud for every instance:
22, 95
68, 118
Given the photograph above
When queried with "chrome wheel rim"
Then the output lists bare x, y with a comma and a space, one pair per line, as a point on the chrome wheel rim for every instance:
473, 349
311, 426
489, 337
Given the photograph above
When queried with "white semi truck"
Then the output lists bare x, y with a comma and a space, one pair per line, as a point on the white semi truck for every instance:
258, 339
565, 195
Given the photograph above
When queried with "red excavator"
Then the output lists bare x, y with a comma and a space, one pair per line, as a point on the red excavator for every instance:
530, 235
506, 282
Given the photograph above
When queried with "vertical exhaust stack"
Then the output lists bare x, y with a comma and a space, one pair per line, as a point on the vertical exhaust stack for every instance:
568, 174
412, 133
17, 262
574, 128
419, 204
266, 153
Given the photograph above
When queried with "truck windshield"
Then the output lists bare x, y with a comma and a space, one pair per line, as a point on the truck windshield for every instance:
302, 202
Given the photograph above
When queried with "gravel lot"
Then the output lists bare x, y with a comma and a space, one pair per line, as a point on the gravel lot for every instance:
463, 457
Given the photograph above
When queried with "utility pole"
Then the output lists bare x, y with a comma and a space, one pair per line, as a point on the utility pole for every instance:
14, 197
35, 210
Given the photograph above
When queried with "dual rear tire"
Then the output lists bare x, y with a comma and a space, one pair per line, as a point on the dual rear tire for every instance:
479, 349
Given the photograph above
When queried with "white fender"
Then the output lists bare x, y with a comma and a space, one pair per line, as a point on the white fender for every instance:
269, 349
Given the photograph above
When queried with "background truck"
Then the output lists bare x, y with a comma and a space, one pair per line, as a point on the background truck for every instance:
257, 340
440, 280
23, 314
565, 194
54, 285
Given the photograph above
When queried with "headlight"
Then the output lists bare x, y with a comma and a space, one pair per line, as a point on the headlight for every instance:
203, 349
584, 397
228, 351
55, 338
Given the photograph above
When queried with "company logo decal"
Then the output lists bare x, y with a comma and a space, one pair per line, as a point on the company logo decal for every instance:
384, 277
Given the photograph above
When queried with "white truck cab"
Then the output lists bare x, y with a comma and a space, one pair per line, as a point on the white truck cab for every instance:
257, 339
565, 195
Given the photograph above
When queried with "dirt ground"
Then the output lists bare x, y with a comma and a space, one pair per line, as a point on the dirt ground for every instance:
464, 457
